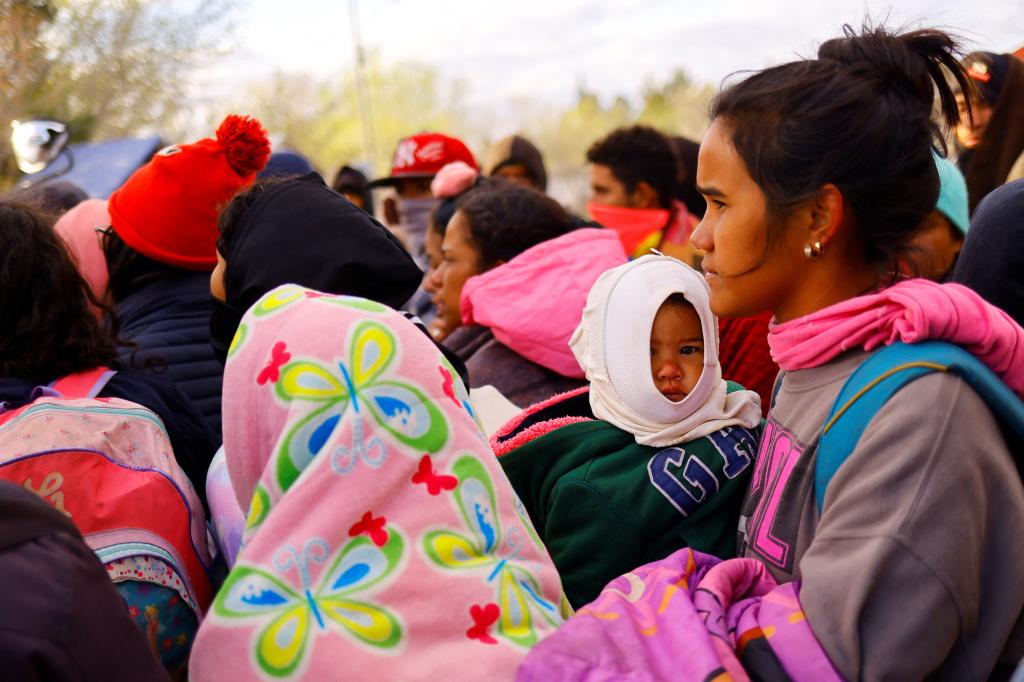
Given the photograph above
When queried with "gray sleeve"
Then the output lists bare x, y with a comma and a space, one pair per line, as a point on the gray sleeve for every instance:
915, 561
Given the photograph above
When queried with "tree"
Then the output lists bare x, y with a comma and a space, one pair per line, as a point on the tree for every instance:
22, 60
320, 118
107, 67
679, 107
676, 107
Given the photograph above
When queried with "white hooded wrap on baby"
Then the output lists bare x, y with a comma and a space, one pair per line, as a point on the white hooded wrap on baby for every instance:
612, 345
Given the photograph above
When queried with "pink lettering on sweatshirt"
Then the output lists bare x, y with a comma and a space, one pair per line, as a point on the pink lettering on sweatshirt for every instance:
779, 452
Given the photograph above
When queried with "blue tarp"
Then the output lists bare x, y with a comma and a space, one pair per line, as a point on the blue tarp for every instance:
101, 167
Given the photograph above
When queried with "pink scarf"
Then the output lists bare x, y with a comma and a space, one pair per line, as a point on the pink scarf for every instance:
911, 311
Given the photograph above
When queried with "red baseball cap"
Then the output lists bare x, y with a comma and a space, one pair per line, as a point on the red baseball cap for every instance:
423, 155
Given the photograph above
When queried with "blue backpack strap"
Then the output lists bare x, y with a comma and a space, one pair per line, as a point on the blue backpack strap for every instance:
881, 376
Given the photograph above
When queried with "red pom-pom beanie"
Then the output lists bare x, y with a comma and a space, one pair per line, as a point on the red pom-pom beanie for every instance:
167, 210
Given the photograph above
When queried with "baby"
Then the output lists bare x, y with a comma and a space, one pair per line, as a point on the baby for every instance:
677, 348
656, 453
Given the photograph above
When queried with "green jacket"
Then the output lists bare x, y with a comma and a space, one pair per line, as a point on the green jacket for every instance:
604, 505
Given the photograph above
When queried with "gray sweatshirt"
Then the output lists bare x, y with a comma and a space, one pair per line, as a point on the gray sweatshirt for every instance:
915, 567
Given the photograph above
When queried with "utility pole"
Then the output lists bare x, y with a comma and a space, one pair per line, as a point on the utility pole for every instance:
362, 87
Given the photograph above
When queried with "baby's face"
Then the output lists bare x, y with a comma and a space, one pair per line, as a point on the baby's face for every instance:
677, 350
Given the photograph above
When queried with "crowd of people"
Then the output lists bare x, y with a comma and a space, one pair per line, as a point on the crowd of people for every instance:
757, 416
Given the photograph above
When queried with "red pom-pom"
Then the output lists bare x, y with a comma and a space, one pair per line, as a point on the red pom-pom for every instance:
245, 143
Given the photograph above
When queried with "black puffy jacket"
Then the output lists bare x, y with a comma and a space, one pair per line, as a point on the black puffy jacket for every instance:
169, 323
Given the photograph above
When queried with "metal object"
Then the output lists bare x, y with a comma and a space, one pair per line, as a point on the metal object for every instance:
37, 143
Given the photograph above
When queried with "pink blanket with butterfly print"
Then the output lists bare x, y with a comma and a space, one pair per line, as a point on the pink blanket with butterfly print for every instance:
382, 539
689, 616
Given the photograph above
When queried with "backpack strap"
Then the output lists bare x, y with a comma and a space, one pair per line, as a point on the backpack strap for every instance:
881, 376
777, 388
86, 384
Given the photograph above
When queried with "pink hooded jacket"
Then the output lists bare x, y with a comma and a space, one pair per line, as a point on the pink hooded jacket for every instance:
534, 302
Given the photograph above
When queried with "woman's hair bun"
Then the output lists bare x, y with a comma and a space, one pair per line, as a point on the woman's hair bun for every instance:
859, 117
912, 63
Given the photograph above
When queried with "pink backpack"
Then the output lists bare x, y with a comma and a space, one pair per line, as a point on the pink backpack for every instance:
108, 464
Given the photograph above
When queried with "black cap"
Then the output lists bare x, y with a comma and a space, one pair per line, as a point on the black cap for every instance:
988, 71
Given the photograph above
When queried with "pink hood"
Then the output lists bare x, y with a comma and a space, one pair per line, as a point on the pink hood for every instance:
78, 229
533, 303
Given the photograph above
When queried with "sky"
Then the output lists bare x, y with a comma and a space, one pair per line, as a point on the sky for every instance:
543, 50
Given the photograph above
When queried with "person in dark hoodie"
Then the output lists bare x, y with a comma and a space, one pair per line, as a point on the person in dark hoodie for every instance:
352, 184
990, 142
990, 262
161, 249
54, 332
62, 619
330, 245
517, 160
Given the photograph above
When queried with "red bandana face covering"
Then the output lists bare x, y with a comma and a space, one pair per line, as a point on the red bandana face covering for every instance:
633, 225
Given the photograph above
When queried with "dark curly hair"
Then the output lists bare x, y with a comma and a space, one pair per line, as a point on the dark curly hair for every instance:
507, 219
639, 154
445, 209
47, 328
860, 117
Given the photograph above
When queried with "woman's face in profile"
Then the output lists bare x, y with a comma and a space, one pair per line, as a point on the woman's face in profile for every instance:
459, 261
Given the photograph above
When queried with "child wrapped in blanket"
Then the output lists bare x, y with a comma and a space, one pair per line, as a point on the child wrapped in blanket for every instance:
382, 540
656, 453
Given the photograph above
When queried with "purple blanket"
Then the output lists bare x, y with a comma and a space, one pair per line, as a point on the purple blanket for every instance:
689, 616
